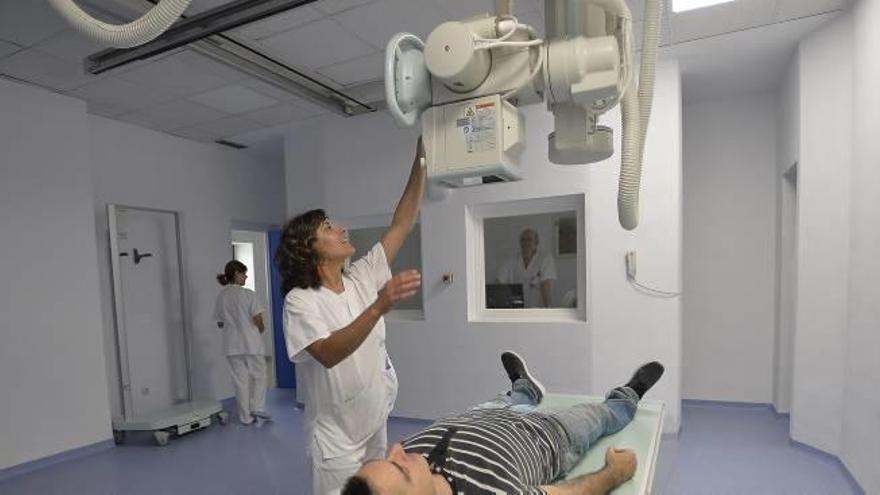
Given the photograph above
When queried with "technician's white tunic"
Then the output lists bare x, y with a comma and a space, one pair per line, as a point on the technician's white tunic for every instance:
348, 403
541, 267
236, 308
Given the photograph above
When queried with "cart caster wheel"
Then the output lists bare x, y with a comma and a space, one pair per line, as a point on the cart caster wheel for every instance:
118, 437
223, 417
161, 438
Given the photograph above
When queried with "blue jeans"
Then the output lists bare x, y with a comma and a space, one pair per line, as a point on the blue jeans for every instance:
583, 424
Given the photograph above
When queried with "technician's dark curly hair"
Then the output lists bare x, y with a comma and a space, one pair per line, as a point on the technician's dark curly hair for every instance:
296, 258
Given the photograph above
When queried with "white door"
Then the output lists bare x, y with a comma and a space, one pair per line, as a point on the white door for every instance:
150, 313
252, 249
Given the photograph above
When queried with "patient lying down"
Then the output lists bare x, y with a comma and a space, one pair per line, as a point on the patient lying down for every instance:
506, 446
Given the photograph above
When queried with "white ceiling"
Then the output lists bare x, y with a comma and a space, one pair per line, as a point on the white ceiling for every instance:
721, 50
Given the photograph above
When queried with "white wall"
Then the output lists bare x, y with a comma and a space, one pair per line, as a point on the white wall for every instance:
823, 235
787, 156
214, 189
304, 177
861, 418
357, 167
52, 376
729, 248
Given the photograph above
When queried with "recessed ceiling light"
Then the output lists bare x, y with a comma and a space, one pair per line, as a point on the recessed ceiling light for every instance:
685, 5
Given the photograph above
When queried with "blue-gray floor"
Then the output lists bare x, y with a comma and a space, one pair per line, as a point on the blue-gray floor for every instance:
721, 450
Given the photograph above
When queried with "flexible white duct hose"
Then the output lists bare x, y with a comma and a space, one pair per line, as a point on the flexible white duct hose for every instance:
636, 108
135, 33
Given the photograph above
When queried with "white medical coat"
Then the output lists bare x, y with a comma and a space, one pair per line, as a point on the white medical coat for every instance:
349, 402
236, 308
541, 268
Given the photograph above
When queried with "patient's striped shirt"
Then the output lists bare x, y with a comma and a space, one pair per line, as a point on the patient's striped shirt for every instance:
497, 450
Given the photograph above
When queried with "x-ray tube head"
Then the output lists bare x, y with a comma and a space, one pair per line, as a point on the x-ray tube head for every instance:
453, 57
582, 69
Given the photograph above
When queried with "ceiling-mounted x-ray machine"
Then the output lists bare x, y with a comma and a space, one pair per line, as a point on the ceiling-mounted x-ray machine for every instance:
464, 84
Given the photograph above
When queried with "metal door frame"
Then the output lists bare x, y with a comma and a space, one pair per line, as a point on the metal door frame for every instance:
119, 306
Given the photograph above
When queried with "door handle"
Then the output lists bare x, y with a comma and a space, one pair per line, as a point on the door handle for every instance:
138, 256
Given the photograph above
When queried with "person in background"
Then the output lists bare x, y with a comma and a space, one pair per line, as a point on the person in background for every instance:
535, 270
240, 316
335, 332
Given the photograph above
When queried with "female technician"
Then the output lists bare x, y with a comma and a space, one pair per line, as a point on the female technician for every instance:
335, 332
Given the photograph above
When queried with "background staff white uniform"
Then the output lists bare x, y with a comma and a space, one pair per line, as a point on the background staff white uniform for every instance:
536, 271
335, 331
239, 314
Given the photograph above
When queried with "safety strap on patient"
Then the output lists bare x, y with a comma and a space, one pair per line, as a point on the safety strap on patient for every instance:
437, 458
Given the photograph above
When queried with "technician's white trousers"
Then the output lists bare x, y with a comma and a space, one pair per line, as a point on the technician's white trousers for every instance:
330, 475
249, 378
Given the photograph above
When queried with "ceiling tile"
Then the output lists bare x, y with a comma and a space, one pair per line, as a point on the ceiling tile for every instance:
234, 99
105, 110
336, 6
267, 89
208, 64
280, 22
7, 48
364, 69
229, 127
462, 9
69, 45
326, 81
718, 19
199, 6
25, 22
174, 115
378, 21
307, 106
367, 92
318, 44
45, 70
793, 9
196, 134
136, 119
280, 114
121, 93
177, 74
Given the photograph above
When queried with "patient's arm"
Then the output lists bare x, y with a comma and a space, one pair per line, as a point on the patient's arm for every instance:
620, 466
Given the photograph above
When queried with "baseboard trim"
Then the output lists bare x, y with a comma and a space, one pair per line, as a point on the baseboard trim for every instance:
724, 403
68, 455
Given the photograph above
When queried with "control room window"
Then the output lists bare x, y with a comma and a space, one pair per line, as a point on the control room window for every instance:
531, 258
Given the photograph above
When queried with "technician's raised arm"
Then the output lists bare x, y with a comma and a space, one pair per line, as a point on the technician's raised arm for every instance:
407, 211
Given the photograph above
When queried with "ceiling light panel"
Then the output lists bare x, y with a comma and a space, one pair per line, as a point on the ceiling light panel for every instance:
685, 5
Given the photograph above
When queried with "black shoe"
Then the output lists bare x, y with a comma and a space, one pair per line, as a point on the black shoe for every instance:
645, 377
516, 370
